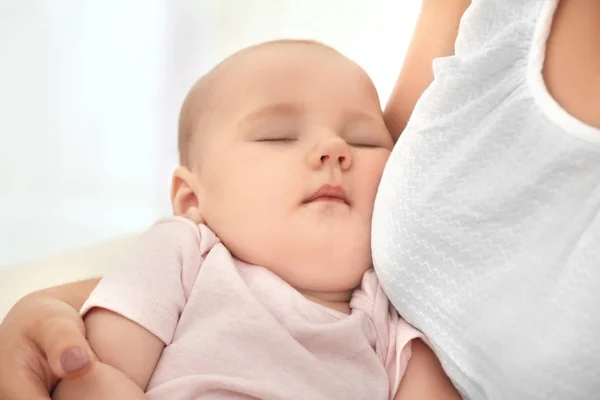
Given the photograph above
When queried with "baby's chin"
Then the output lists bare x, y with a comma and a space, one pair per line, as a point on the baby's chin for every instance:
335, 283
314, 264
334, 293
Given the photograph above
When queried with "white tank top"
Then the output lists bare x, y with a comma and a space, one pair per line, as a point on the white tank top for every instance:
486, 232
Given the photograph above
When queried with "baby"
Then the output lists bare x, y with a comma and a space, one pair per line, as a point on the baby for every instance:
261, 285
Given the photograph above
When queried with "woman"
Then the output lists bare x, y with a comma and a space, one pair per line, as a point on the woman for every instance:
486, 233
487, 224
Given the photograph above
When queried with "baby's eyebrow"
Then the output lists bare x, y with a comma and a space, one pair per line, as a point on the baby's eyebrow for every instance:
275, 109
358, 115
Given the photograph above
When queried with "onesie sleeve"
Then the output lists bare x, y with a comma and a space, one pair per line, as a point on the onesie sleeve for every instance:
393, 334
151, 286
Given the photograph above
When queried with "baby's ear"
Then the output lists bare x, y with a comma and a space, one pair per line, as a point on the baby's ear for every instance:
184, 195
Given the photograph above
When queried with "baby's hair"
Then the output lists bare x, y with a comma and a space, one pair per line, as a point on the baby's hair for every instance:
195, 111
193, 116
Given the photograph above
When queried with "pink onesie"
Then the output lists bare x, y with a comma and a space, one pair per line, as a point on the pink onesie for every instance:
234, 330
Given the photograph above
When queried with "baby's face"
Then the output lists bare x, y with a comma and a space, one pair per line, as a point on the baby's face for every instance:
292, 164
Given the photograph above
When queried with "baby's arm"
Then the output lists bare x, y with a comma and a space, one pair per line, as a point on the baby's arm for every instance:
133, 312
424, 378
127, 355
102, 383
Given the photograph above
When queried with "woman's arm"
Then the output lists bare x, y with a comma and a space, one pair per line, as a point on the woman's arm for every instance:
74, 294
433, 37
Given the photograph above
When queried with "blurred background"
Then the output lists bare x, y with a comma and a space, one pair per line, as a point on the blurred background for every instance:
90, 92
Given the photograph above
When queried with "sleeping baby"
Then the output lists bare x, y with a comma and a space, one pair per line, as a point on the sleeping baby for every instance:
260, 286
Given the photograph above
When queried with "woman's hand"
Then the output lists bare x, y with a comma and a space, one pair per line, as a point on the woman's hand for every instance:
42, 340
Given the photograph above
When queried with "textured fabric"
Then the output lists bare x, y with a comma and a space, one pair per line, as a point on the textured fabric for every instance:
486, 232
234, 330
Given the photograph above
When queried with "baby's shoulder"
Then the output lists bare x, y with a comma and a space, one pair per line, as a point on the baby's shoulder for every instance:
184, 234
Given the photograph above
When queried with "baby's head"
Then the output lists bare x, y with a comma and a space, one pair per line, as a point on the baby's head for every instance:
282, 147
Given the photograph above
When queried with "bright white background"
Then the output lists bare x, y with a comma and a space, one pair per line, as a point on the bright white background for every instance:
90, 91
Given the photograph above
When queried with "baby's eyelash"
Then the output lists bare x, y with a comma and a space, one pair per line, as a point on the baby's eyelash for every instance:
277, 140
364, 145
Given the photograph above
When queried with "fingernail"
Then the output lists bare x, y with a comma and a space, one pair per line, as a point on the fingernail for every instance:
74, 359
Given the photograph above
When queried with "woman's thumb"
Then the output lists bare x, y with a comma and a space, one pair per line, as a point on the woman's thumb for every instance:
63, 342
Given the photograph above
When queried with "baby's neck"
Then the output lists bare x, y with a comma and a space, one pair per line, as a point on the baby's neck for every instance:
336, 301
